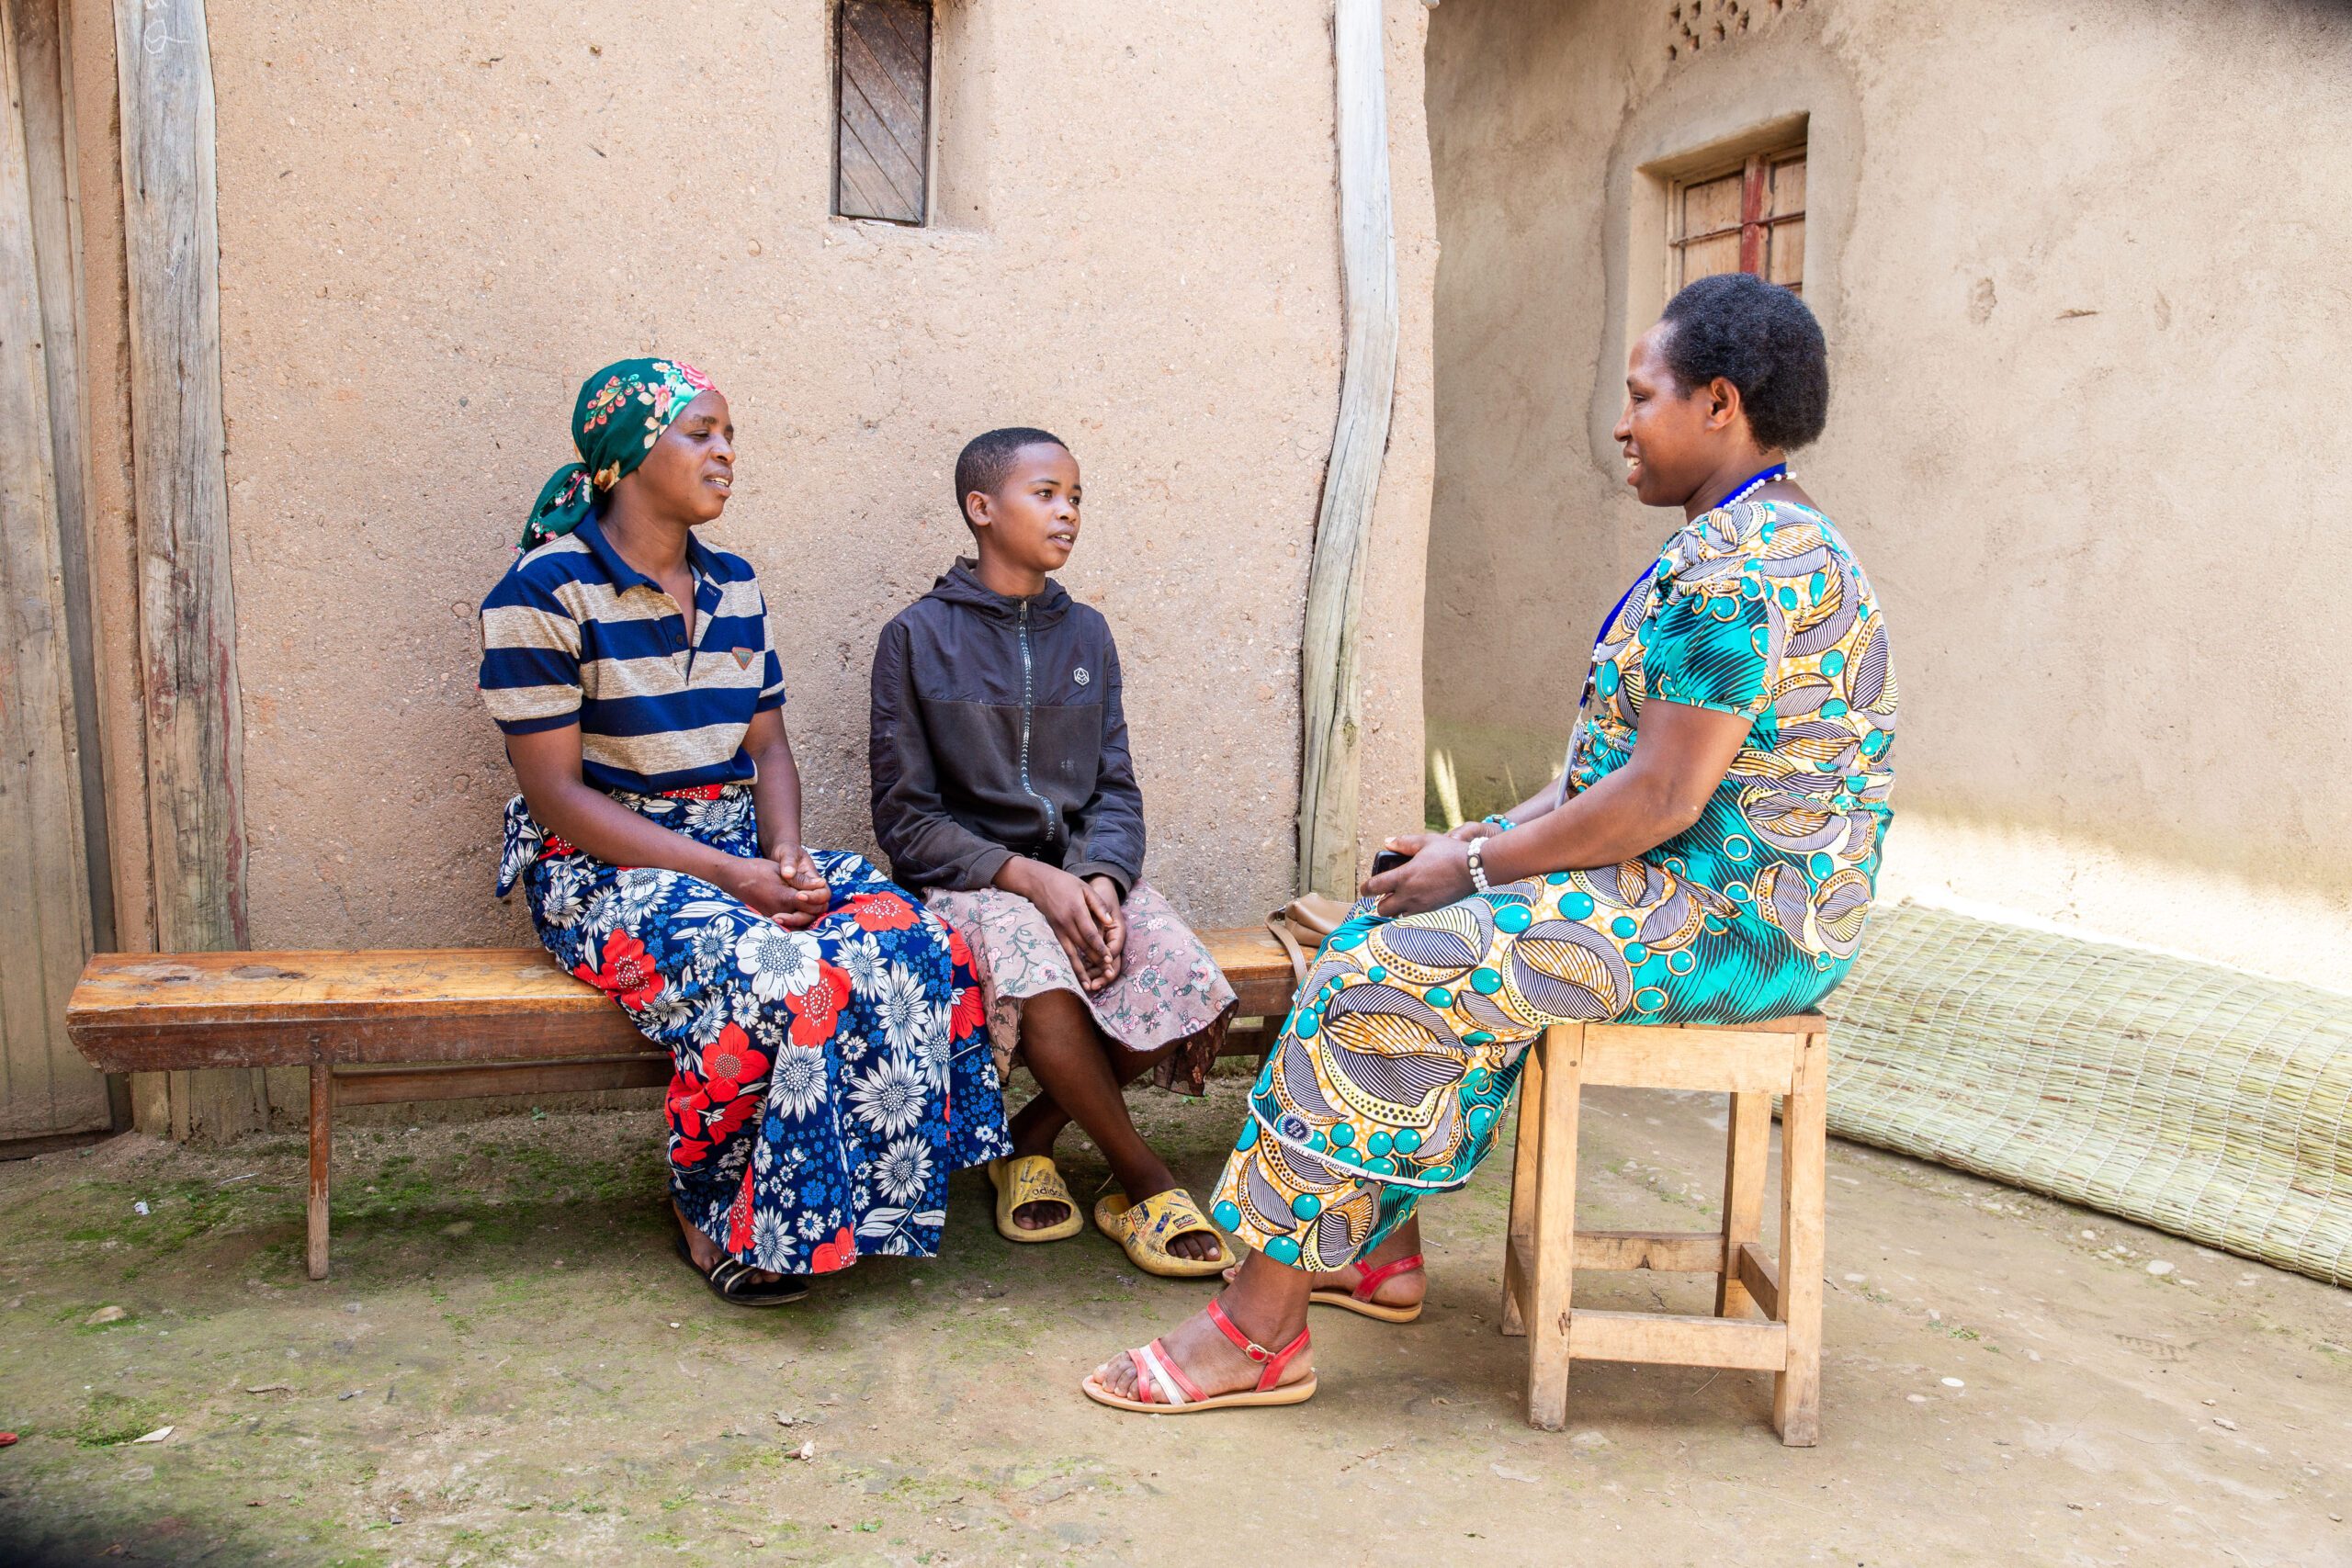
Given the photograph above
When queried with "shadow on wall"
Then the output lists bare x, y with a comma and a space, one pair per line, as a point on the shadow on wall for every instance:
1476, 769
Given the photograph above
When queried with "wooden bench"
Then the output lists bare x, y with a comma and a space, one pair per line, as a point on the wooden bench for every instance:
430, 1024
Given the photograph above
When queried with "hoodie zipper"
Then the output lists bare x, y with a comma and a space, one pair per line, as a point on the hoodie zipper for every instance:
1028, 707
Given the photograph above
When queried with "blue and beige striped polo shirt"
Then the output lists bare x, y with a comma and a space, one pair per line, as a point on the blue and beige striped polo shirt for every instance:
572, 634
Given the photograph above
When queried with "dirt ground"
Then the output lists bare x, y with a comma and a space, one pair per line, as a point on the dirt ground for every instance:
510, 1366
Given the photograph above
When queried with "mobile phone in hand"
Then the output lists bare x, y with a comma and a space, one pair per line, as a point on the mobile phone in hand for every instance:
1388, 860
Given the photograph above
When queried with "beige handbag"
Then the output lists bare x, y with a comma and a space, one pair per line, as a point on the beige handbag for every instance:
1303, 925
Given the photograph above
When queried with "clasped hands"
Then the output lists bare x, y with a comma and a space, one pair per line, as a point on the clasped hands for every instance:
1438, 875
787, 887
1084, 913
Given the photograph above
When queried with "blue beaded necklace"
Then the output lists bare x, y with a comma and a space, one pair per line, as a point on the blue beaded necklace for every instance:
1740, 492
1753, 483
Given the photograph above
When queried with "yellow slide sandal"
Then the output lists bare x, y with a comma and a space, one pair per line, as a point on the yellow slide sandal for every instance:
1144, 1229
1032, 1178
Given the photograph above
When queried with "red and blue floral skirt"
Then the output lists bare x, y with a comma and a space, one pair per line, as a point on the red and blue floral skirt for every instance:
828, 1081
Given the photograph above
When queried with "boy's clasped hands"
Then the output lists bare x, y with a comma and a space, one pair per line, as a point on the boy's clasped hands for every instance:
1083, 912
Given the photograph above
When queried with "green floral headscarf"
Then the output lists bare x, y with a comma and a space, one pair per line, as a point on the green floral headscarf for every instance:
621, 411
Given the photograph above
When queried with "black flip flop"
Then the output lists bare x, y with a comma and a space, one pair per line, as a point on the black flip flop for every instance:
731, 1281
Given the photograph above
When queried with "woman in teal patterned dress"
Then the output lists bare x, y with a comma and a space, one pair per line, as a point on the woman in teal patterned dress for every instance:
1707, 855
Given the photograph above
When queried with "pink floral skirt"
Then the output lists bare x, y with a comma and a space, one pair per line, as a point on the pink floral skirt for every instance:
1168, 988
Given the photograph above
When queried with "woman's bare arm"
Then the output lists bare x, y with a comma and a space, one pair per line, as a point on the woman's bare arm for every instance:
1681, 754
775, 793
1541, 803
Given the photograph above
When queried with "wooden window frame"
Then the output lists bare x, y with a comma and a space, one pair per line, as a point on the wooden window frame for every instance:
843, 85
1756, 224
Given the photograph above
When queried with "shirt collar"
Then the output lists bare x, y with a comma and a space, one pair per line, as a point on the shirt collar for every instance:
700, 560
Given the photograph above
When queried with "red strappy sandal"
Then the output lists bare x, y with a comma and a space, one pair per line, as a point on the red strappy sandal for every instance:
1358, 1300
1166, 1390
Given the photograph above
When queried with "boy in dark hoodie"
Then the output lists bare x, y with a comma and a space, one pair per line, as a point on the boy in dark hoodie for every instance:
1004, 795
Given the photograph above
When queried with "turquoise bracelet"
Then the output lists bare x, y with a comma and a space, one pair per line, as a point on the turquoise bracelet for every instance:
1501, 824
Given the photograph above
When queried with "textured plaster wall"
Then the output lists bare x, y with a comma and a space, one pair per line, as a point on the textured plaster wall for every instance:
434, 223
2083, 271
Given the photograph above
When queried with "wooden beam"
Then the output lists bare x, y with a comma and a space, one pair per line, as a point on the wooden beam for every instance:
1668, 1252
172, 1012
1758, 1281
321, 1163
1526, 1138
1627, 1055
1676, 1341
104, 419
402, 1086
1545, 1306
1796, 1392
1747, 1148
1257, 969
45, 74
33, 1148
187, 609
1519, 1275
44, 888
1329, 691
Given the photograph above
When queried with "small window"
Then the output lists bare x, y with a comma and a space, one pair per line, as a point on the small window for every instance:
882, 132
1749, 218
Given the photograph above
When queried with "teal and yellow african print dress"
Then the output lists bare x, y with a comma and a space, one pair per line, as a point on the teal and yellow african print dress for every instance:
1393, 1072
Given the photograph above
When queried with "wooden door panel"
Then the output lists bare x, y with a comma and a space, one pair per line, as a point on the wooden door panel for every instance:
882, 135
45, 1087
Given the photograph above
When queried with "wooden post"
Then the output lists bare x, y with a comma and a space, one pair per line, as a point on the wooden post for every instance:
1330, 768
322, 1151
1555, 1227
45, 73
1520, 1242
187, 612
1749, 1143
1804, 1182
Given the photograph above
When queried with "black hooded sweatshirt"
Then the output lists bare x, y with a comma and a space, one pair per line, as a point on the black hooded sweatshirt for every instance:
998, 731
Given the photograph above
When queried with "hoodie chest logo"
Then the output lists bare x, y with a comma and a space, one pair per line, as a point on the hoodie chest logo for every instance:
1081, 676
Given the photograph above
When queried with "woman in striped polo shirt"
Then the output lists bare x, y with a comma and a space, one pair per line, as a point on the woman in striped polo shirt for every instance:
830, 1049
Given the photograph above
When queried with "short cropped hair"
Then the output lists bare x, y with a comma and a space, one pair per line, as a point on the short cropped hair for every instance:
988, 457
1760, 338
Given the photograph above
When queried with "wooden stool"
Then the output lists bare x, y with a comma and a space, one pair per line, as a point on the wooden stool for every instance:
1787, 1057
